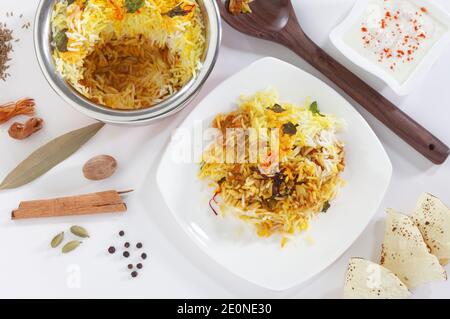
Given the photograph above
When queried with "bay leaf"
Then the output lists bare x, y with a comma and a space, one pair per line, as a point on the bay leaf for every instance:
48, 156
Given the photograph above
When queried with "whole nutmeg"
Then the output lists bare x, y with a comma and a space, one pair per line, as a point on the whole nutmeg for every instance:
100, 167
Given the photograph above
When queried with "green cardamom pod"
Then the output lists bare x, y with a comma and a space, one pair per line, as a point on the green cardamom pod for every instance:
79, 231
57, 240
71, 245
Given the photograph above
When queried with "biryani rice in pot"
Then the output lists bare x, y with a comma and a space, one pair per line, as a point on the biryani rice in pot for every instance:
127, 54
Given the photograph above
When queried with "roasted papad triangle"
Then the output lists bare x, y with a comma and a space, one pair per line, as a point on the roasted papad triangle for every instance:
368, 280
405, 253
432, 217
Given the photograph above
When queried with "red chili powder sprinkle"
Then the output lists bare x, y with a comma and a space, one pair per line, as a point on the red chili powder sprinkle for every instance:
408, 43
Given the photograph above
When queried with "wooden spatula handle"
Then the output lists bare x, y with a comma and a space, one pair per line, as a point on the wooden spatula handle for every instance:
399, 122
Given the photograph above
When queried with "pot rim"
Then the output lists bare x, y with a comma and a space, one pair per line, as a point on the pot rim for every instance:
167, 107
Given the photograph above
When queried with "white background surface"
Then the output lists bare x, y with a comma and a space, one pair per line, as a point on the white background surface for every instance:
175, 267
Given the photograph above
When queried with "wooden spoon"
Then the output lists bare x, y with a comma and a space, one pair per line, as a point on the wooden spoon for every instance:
275, 20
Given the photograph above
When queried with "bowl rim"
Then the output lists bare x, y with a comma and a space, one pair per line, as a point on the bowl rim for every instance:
167, 107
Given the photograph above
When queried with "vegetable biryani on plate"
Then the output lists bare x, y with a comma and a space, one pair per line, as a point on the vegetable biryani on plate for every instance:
127, 54
291, 175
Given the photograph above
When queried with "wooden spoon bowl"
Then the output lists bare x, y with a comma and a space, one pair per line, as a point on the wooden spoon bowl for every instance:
275, 20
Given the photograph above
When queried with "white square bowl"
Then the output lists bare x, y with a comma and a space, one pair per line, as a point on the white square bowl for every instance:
227, 240
417, 75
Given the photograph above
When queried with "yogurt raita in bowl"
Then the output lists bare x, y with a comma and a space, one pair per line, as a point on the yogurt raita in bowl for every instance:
396, 40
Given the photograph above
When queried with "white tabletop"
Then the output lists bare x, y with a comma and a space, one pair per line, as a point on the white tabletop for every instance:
176, 268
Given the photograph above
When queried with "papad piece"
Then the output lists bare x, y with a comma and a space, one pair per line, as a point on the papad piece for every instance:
432, 217
368, 280
406, 254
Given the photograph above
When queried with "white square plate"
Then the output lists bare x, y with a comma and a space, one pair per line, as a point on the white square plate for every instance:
227, 240
337, 37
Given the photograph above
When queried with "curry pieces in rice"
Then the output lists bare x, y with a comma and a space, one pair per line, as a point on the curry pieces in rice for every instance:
283, 189
239, 6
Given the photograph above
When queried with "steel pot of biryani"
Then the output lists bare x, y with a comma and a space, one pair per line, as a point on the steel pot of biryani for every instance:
127, 61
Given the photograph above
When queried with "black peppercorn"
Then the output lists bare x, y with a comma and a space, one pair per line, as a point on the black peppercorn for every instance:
111, 250
134, 274
130, 266
121, 233
144, 255
139, 266
139, 245
126, 254
127, 245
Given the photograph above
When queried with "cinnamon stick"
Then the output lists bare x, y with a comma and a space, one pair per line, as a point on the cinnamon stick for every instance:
94, 203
